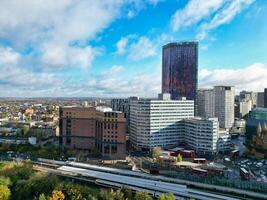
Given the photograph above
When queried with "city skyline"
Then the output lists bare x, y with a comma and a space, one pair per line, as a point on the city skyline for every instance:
62, 50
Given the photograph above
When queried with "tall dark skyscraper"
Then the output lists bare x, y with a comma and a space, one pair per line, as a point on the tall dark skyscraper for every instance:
180, 69
265, 98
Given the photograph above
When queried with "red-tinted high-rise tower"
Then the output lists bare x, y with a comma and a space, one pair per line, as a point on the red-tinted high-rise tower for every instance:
180, 69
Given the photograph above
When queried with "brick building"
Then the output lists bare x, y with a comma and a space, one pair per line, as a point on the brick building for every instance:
93, 128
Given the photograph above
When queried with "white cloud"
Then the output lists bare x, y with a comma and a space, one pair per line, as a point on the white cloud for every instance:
121, 45
137, 48
143, 48
207, 15
16, 80
224, 16
8, 56
194, 12
61, 20
113, 83
60, 56
252, 77
51, 26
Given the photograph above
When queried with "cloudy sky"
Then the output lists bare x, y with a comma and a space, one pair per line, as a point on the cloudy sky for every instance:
112, 48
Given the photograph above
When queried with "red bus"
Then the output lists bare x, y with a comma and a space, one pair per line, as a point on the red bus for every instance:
188, 153
201, 172
200, 160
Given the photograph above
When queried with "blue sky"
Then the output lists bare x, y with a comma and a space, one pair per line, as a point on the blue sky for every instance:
113, 48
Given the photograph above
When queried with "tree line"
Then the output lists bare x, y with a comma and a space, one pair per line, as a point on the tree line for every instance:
19, 181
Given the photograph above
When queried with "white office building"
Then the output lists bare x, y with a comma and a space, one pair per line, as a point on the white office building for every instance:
245, 106
248, 95
205, 103
224, 141
155, 122
224, 105
201, 134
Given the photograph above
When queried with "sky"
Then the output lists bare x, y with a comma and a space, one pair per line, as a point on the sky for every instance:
112, 48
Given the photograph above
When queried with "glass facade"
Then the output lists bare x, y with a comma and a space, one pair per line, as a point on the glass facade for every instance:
255, 117
179, 69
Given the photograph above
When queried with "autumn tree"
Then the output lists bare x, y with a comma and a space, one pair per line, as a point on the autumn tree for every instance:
156, 151
4, 192
57, 195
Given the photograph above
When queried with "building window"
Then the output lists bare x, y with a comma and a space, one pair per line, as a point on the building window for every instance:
114, 149
106, 149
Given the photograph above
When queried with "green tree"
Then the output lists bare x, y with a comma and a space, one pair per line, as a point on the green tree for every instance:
4, 192
119, 195
37, 184
156, 151
127, 193
168, 196
4, 181
106, 195
142, 195
25, 131
42, 197
179, 158
91, 197
73, 192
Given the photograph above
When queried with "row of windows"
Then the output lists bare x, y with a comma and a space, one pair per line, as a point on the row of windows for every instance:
112, 136
111, 114
108, 140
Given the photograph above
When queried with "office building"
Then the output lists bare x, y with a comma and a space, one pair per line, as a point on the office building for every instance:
224, 105
169, 123
155, 122
256, 117
180, 69
260, 99
224, 144
123, 105
239, 127
93, 129
244, 107
265, 98
201, 134
205, 103
259, 142
248, 95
